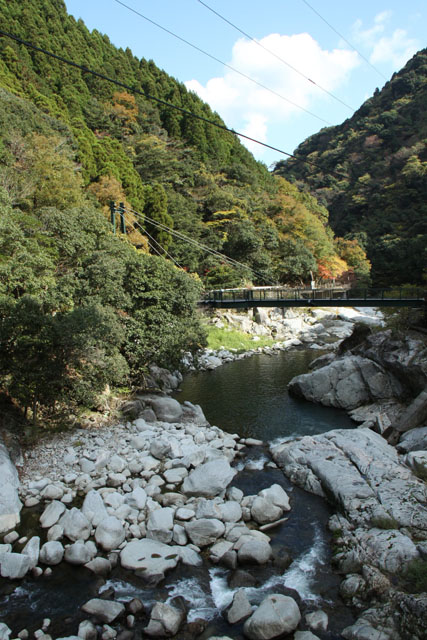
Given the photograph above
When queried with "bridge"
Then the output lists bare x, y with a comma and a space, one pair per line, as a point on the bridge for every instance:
343, 296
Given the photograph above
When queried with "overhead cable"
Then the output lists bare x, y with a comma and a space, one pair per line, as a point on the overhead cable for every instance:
199, 245
225, 64
163, 251
343, 38
146, 95
257, 42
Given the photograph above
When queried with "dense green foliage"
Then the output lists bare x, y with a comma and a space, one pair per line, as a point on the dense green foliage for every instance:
81, 307
179, 171
371, 173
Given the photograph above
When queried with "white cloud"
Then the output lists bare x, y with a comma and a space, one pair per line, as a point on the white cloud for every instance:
238, 100
396, 48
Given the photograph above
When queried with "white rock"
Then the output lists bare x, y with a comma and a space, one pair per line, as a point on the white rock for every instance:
116, 464
263, 510
179, 535
14, 565
137, 498
165, 621
10, 505
210, 479
55, 533
51, 514
240, 608
184, 513
204, 531
254, 552
277, 495
175, 476
87, 630
104, 610
52, 492
160, 525
151, 558
80, 552
276, 615
230, 511
4, 631
93, 508
32, 550
51, 553
76, 525
109, 533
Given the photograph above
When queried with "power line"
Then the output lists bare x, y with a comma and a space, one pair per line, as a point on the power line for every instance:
199, 245
225, 64
165, 253
345, 39
275, 55
146, 95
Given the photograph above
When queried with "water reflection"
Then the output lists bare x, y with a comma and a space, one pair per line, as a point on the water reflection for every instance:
250, 397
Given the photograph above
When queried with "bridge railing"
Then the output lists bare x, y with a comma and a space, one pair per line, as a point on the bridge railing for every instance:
276, 293
343, 292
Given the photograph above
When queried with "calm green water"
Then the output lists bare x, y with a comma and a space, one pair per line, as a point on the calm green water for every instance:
250, 397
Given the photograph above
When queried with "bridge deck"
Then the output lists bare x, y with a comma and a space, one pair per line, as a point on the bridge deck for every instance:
337, 297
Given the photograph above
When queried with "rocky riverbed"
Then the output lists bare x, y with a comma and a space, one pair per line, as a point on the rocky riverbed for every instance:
154, 493
146, 497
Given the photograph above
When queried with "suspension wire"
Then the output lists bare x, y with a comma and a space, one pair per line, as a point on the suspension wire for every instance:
345, 40
195, 243
146, 95
156, 242
225, 64
201, 246
316, 84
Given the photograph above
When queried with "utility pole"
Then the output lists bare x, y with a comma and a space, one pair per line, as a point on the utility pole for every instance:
122, 217
113, 215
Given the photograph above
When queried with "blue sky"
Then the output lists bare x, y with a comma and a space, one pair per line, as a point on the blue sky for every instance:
387, 33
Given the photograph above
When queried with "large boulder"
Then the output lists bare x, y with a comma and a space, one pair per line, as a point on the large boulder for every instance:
160, 525
204, 531
347, 383
209, 479
32, 550
150, 558
359, 473
165, 621
80, 552
166, 409
109, 533
240, 608
75, 524
51, 514
51, 552
94, 508
14, 565
276, 616
104, 610
10, 504
263, 510
254, 551
414, 440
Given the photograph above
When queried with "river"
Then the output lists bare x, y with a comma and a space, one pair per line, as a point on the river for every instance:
247, 397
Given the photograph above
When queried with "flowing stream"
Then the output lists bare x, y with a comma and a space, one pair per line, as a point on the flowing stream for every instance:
247, 397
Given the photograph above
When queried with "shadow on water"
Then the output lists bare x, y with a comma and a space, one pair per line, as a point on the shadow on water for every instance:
250, 397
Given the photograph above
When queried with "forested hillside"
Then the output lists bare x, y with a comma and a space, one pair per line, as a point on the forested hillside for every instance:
81, 306
371, 173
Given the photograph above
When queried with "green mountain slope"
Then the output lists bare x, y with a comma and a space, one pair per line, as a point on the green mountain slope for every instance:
371, 173
162, 163
81, 306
